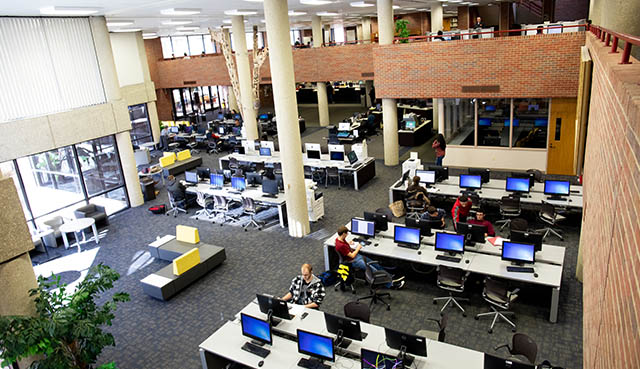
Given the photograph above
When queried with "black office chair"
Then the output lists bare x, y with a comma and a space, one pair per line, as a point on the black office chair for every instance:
251, 208
376, 280
549, 216
385, 211
330, 173
452, 280
176, 206
518, 224
346, 275
415, 207
207, 204
509, 208
497, 294
521, 344
212, 146
357, 310
438, 335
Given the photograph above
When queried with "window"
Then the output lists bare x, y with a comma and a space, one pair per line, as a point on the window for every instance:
209, 46
531, 121
459, 121
180, 46
100, 165
196, 95
215, 96
177, 103
167, 49
140, 125
196, 45
206, 97
186, 96
113, 201
493, 122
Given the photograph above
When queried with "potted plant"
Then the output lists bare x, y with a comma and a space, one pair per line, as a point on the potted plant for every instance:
66, 331
402, 31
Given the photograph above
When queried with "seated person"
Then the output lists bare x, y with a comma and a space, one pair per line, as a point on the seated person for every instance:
479, 220
343, 247
417, 195
460, 209
179, 192
434, 213
306, 289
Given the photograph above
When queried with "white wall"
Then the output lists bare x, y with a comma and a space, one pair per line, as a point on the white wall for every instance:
495, 158
126, 57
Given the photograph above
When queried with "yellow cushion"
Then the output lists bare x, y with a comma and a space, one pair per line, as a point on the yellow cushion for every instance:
187, 234
186, 261
167, 160
171, 153
184, 155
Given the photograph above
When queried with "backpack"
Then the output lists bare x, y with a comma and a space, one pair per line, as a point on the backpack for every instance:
328, 278
158, 209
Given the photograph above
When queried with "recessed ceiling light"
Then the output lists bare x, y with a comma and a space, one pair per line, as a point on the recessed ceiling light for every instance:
149, 35
443, 1
315, 2
177, 22
188, 28
69, 10
327, 14
127, 30
240, 12
293, 13
362, 4
396, 7
119, 23
180, 11
225, 27
254, 1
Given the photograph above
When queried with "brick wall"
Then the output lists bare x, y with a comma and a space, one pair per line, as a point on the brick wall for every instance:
419, 23
610, 236
523, 66
463, 17
153, 49
164, 104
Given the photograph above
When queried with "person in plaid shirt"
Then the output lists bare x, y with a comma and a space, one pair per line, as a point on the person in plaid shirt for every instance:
306, 289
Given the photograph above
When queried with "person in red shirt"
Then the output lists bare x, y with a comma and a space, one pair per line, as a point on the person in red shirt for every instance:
460, 209
479, 220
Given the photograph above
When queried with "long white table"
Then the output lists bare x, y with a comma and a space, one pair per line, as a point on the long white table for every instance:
500, 184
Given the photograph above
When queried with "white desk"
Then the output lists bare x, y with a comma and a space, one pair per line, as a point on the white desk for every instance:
500, 184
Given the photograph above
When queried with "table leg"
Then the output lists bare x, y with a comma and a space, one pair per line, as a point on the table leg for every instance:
66, 241
555, 299
78, 239
95, 233
355, 180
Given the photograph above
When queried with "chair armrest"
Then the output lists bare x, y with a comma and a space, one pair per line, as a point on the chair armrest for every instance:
512, 295
437, 321
502, 346
100, 208
372, 262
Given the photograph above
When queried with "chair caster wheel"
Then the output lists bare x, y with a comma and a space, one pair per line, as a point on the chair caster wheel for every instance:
388, 308
490, 331
464, 315
476, 318
353, 292
245, 230
435, 302
441, 313
513, 330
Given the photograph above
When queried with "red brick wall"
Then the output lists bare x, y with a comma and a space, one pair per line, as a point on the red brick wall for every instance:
463, 17
610, 236
525, 66
164, 104
153, 49
419, 23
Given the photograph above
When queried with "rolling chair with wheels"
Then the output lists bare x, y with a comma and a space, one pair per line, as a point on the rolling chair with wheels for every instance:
549, 216
251, 208
176, 206
212, 147
376, 280
207, 205
498, 295
350, 278
452, 280
521, 344
509, 208
221, 207
435, 335
518, 224
357, 310
193, 146
415, 208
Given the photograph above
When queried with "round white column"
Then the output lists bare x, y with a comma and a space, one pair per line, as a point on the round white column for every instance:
129, 169
436, 17
244, 77
389, 106
321, 87
286, 109
366, 30
233, 102
327, 33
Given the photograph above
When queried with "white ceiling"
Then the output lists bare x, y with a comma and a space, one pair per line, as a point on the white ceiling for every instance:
146, 13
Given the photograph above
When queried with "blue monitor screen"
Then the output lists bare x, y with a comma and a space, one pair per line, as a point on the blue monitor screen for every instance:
256, 328
410, 124
470, 181
484, 122
406, 235
518, 252
362, 227
265, 151
216, 180
220, 116
337, 155
490, 108
191, 177
315, 345
517, 184
174, 129
263, 116
516, 122
556, 188
237, 116
377, 360
540, 122
449, 242
238, 183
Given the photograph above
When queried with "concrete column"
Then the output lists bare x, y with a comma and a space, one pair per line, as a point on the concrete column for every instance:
104, 54
366, 30
436, 17
389, 107
244, 77
129, 169
233, 102
359, 33
321, 87
286, 109
368, 85
327, 33
152, 110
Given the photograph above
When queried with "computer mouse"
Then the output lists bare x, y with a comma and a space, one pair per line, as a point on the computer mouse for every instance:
535, 275
467, 261
261, 363
375, 244
419, 252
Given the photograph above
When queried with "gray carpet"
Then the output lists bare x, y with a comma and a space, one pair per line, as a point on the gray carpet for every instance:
155, 334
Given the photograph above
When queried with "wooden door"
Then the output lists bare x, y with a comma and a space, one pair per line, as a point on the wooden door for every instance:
562, 131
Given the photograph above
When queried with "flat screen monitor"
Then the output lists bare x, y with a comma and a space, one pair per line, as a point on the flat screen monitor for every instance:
343, 327
442, 173
174, 129
519, 185
482, 172
344, 126
470, 181
315, 345
426, 176
558, 188
484, 122
263, 116
237, 116
203, 173
409, 343
336, 155
449, 242
410, 124
406, 235
381, 221
528, 237
254, 179
265, 151
239, 150
313, 154
519, 253
489, 108
377, 360
273, 307
191, 177
424, 225
216, 180
353, 157
221, 130
269, 186
472, 232
533, 107
362, 227
540, 122
238, 183
530, 176
220, 116
516, 122
496, 362
257, 329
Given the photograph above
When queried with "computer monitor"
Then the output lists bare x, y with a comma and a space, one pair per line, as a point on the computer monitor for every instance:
424, 225
407, 344
426, 176
336, 155
556, 188
344, 126
530, 176
237, 131
496, 362
554, 30
518, 253
191, 177
221, 130
237, 116
216, 180
220, 116
257, 329
265, 151
470, 182
528, 237
484, 173
238, 183
406, 236
409, 124
203, 173
353, 157
346, 329
362, 227
540, 122
174, 129
377, 360
449, 242
517, 185
269, 186
405, 175
516, 122
484, 122
254, 179
275, 309
313, 154
263, 116
381, 221
442, 173
315, 345
489, 108
472, 232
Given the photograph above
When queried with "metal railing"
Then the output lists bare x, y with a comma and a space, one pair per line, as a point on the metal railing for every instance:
611, 38
470, 34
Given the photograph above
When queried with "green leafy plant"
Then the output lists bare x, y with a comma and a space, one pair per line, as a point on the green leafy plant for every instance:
401, 30
67, 329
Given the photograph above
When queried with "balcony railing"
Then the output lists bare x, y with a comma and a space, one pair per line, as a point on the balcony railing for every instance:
611, 38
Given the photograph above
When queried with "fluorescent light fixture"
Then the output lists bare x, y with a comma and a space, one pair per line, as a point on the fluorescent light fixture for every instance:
443, 1
443, 5
177, 22
228, 21
188, 28
69, 10
293, 13
149, 35
395, 7
327, 14
315, 2
410, 9
225, 27
362, 4
119, 23
240, 12
127, 30
180, 11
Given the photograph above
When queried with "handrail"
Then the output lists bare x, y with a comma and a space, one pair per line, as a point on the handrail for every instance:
605, 35
426, 38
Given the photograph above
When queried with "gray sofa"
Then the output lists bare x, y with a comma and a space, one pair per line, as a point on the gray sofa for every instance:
96, 212
53, 223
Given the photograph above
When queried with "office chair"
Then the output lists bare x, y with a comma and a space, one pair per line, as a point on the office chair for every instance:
521, 344
193, 146
174, 146
498, 295
176, 207
452, 280
251, 208
376, 280
212, 146
207, 204
351, 278
385, 211
435, 335
221, 207
233, 163
549, 216
415, 207
332, 172
518, 224
357, 310
509, 208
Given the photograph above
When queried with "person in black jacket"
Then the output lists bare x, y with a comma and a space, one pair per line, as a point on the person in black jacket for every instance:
179, 192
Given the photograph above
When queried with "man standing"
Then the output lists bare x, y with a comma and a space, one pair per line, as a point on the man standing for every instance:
478, 26
306, 289
461, 209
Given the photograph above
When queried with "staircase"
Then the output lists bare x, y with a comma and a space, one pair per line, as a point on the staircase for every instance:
534, 6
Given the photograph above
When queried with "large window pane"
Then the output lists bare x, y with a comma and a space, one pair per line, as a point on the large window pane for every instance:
140, 127
206, 97
112, 201
196, 94
493, 122
186, 95
209, 46
459, 120
177, 103
100, 164
167, 49
530, 121
196, 46
180, 46
7, 169
51, 180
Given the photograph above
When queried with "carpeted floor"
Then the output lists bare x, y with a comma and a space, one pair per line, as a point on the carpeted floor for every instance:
155, 334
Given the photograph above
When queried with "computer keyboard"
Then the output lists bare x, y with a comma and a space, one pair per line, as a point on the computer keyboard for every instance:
362, 241
448, 258
517, 269
256, 350
409, 246
312, 364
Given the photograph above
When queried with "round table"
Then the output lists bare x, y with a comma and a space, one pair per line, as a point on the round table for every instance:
78, 226
149, 145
